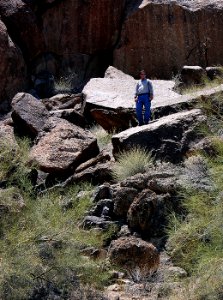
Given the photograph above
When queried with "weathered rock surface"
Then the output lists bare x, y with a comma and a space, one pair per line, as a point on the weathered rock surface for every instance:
148, 212
123, 198
171, 34
28, 114
7, 135
97, 174
64, 148
23, 27
192, 75
114, 120
119, 91
169, 138
141, 212
71, 115
94, 27
12, 69
96, 222
134, 255
65, 101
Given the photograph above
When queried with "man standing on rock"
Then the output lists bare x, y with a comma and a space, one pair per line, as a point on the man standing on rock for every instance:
143, 97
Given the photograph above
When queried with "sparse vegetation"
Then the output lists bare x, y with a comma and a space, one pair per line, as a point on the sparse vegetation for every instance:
207, 84
41, 238
131, 162
13, 163
64, 84
196, 240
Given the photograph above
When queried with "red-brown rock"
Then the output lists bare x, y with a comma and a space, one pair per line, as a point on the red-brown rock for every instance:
141, 212
64, 148
138, 257
23, 27
12, 69
163, 36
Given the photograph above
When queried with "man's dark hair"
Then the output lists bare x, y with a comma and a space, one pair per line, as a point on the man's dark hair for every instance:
142, 71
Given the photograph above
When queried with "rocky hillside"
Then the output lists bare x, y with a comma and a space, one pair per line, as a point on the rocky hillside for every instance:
85, 213
79, 39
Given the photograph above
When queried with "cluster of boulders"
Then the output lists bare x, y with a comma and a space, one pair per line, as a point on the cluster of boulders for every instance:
64, 151
195, 76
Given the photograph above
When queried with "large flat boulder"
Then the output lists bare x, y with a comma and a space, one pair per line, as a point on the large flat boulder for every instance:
117, 89
110, 100
28, 114
167, 139
63, 148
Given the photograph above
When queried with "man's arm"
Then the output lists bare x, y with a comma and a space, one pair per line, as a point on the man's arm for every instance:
136, 92
151, 94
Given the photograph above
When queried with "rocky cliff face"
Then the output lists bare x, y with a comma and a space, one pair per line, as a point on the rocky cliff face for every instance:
162, 36
81, 38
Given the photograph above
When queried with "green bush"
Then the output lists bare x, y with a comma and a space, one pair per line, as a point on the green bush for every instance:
131, 162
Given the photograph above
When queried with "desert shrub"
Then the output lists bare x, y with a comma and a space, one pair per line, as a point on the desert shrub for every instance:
64, 84
40, 248
131, 162
103, 137
13, 163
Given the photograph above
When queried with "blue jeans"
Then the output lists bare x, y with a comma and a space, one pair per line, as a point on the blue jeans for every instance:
143, 100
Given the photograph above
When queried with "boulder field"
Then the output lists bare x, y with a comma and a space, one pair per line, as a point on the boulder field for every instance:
133, 212
79, 39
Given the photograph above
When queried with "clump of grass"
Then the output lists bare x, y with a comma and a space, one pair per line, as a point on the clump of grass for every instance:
64, 84
131, 162
13, 163
103, 137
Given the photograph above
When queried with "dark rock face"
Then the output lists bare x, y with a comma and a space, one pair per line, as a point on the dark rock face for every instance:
142, 211
97, 174
111, 120
93, 221
70, 115
163, 36
132, 253
23, 27
123, 198
77, 39
28, 114
214, 72
169, 138
191, 75
12, 69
